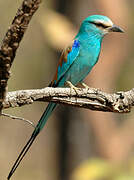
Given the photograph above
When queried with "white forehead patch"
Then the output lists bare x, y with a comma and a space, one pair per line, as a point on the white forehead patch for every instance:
106, 23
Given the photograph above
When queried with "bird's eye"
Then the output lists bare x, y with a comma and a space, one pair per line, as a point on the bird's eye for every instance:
99, 24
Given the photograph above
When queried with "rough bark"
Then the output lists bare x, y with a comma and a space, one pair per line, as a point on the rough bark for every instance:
91, 98
12, 40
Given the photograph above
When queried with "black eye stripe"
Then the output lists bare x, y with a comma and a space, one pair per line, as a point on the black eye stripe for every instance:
98, 24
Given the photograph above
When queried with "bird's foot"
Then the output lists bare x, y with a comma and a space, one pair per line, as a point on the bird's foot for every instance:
84, 85
72, 87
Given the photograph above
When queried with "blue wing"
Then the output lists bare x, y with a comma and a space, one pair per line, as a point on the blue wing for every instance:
67, 58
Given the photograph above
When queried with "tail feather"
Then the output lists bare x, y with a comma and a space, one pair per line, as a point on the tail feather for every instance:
21, 156
37, 130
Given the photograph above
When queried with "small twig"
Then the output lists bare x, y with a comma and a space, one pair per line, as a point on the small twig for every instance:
19, 118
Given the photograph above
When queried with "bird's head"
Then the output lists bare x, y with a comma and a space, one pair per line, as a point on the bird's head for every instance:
98, 24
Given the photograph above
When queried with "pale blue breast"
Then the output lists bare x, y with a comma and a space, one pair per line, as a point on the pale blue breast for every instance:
87, 58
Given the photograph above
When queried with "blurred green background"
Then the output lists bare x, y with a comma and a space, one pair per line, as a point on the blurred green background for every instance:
76, 144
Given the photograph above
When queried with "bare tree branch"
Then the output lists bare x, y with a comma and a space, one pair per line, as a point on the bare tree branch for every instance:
12, 40
91, 98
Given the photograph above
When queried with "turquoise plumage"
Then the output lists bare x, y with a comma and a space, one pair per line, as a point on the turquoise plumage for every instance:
75, 63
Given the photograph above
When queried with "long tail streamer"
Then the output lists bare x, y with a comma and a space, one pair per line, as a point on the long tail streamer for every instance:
37, 130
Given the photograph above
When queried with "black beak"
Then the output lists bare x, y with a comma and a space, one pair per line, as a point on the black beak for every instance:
115, 28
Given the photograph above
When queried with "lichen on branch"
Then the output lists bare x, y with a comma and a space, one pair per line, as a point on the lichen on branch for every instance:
12, 40
91, 98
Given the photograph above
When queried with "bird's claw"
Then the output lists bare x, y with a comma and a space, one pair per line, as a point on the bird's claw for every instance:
84, 85
72, 87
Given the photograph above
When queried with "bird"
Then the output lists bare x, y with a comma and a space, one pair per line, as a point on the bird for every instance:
75, 63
